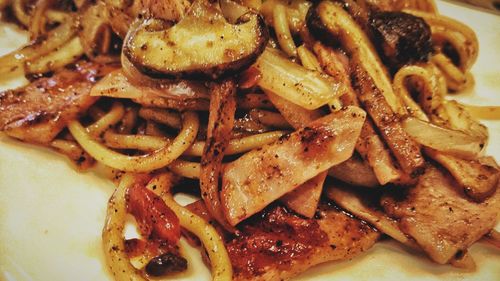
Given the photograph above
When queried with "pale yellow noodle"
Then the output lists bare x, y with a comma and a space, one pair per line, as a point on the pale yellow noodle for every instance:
20, 13
60, 57
401, 90
56, 16
15, 60
456, 80
240, 145
72, 150
139, 142
355, 41
146, 163
112, 234
282, 29
128, 121
185, 169
151, 143
163, 116
114, 116
211, 240
69, 148
484, 112
308, 59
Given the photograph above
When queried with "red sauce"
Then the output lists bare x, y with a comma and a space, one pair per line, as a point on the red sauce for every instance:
158, 225
155, 219
274, 238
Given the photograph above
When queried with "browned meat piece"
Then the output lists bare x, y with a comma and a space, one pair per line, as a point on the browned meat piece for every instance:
38, 112
363, 204
263, 175
182, 94
220, 125
439, 217
354, 171
400, 38
405, 150
479, 180
304, 199
279, 245
369, 144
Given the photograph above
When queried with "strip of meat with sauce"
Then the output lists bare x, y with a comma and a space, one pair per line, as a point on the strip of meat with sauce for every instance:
278, 245
37, 112
369, 144
439, 217
263, 175
405, 150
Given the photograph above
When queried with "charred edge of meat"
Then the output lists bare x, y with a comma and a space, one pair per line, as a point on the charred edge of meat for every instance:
400, 38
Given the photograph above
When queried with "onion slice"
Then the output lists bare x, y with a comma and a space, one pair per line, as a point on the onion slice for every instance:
117, 85
220, 125
442, 139
307, 88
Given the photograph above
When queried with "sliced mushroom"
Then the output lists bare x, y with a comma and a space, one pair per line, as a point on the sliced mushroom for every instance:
202, 45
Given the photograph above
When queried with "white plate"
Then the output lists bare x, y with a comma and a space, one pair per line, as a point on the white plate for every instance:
51, 216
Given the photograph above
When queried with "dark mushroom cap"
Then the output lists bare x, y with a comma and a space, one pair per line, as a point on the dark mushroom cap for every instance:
400, 38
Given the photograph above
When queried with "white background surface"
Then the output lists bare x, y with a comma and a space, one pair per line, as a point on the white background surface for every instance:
51, 216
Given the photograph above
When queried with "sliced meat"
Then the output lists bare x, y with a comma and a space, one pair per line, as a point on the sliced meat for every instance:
182, 94
304, 199
354, 171
405, 150
220, 125
295, 115
155, 219
400, 38
369, 144
263, 175
278, 245
479, 180
439, 217
39, 111
363, 205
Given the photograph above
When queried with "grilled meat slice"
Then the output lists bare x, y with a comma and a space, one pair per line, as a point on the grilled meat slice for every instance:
181, 94
439, 217
37, 112
278, 245
304, 199
369, 144
263, 175
400, 38
478, 178
364, 205
405, 150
